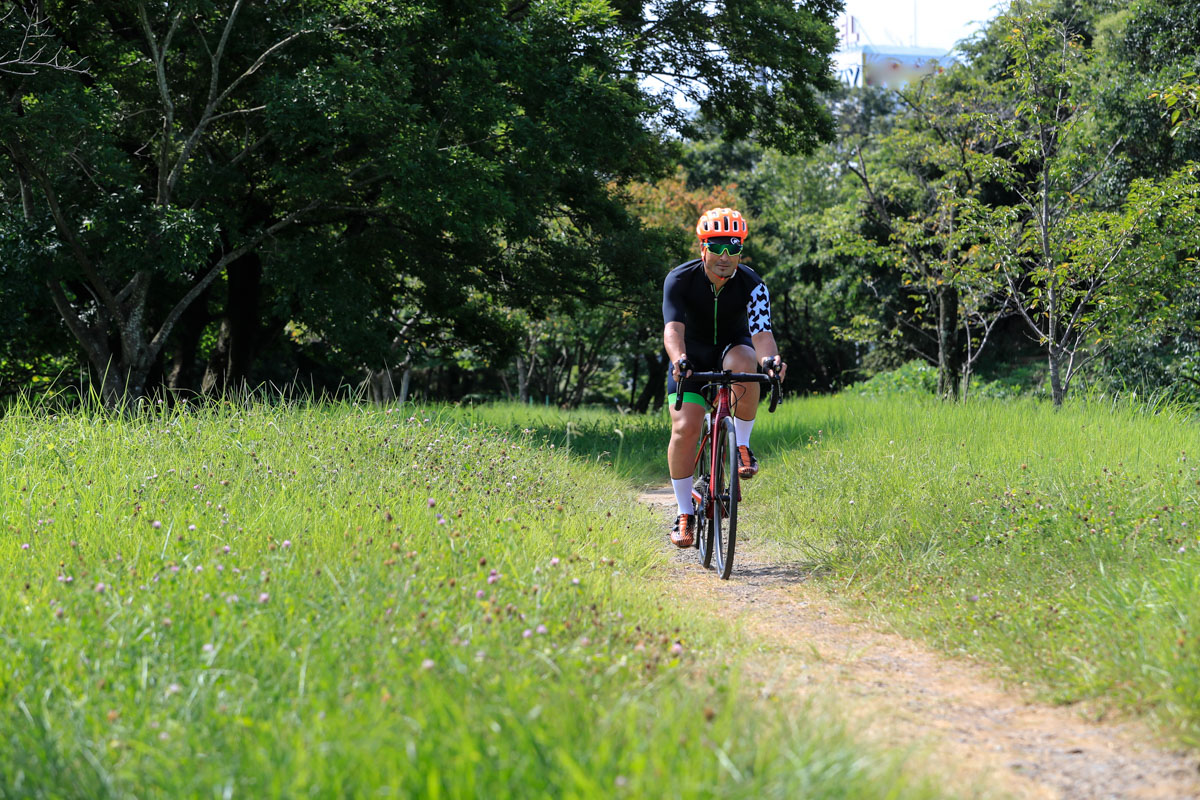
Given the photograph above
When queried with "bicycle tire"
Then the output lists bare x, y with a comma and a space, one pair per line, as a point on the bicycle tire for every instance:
700, 484
725, 503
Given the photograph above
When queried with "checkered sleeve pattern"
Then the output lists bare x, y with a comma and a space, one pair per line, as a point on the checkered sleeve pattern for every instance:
758, 310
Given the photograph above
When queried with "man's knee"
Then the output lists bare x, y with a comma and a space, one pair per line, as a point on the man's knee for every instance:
740, 359
686, 426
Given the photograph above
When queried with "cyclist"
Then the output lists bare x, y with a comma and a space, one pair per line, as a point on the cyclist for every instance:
716, 315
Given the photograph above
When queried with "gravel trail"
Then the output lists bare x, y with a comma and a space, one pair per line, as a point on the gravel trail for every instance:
971, 734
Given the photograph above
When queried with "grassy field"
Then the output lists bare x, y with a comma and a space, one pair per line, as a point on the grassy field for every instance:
1059, 544
336, 602
1062, 546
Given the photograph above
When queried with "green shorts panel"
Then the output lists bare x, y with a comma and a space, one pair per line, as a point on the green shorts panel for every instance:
688, 397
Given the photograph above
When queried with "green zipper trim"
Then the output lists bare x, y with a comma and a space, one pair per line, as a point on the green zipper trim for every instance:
716, 294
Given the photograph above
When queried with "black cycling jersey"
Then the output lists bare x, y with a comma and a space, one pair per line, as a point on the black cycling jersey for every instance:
713, 320
716, 318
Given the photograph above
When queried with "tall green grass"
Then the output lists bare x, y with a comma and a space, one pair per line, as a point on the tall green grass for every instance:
633, 446
336, 602
1059, 543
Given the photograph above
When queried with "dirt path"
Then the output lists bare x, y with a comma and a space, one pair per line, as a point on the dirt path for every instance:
978, 739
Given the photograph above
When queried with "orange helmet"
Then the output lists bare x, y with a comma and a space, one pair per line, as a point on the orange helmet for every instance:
721, 222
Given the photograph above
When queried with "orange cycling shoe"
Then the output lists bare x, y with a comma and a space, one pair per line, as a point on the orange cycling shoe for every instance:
747, 463
684, 532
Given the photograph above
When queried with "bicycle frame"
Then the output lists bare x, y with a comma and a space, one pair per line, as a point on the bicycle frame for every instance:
722, 408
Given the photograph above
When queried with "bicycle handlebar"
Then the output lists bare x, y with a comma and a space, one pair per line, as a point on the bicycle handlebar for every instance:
726, 377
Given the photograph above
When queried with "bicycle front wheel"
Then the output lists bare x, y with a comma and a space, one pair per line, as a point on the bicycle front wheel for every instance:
700, 486
725, 502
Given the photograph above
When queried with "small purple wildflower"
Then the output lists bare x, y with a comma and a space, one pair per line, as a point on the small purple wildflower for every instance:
574, 581
427, 664
264, 597
554, 561
225, 549
199, 568
25, 546
479, 594
676, 648
541, 628
191, 527
431, 502
493, 578
286, 543
207, 648
156, 524
100, 587
526, 633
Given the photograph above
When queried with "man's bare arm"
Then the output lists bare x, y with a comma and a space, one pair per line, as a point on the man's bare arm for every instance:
765, 347
673, 342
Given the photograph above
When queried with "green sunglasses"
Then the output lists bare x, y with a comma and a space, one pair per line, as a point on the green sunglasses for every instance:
727, 248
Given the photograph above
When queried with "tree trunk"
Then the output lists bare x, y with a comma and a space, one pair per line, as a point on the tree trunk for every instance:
1057, 389
184, 372
656, 387
245, 289
405, 383
523, 374
216, 373
383, 391
231, 364
633, 381
949, 357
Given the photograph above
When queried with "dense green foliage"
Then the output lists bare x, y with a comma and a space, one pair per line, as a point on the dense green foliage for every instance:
481, 202
330, 601
1037, 202
229, 191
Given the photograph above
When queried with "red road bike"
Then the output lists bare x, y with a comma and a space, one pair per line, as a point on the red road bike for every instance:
715, 475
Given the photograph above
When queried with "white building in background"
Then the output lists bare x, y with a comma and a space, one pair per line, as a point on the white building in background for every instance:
892, 66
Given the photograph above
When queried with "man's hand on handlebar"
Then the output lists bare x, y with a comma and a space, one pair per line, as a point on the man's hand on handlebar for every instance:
774, 366
682, 368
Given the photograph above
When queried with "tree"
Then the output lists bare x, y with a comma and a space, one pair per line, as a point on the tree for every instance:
1072, 271
29, 47
230, 169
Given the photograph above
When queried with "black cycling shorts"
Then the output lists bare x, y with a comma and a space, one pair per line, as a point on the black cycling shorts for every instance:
703, 358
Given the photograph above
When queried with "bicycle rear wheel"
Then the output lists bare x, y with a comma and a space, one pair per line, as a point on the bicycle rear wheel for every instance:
704, 531
725, 503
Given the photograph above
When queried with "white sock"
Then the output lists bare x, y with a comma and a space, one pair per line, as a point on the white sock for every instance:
743, 428
683, 494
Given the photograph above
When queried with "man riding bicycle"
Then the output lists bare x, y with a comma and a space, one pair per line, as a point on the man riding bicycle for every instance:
716, 315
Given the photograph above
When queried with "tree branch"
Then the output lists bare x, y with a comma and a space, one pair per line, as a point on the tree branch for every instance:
159, 56
169, 323
21, 62
1096, 173
94, 346
109, 302
207, 117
